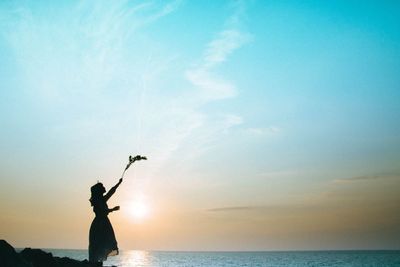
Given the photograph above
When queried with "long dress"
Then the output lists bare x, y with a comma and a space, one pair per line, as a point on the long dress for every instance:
102, 242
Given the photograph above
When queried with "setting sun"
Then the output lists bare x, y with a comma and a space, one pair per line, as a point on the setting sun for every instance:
139, 210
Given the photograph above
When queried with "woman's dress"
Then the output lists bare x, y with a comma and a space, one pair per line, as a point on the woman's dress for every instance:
102, 242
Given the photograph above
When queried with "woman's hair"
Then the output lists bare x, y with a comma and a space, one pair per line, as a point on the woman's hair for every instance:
97, 191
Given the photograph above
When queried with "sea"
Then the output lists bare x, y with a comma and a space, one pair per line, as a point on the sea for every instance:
136, 258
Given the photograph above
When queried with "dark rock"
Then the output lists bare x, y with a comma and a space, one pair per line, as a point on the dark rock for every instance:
67, 262
34, 258
39, 258
9, 257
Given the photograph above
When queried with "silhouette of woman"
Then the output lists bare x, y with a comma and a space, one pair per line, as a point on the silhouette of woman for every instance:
102, 242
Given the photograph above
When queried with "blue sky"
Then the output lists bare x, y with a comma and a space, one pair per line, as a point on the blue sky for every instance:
257, 117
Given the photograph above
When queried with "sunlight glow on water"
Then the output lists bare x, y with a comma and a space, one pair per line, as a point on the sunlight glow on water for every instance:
135, 258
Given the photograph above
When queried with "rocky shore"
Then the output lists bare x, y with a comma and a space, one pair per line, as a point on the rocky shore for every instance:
29, 257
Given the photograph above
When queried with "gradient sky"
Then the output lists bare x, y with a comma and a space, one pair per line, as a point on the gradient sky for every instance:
269, 125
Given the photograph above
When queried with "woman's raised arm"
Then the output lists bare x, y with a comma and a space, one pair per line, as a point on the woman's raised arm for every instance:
112, 190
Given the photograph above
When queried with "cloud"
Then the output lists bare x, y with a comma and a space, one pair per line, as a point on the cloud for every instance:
207, 128
280, 174
106, 79
165, 10
263, 130
216, 52
186, 129
220, 48
232, 120
233, 208
368, 178
212, 88
273, 209
95, 37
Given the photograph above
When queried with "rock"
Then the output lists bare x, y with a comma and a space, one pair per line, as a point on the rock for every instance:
39, 258
9, 257
29, 257
67, 262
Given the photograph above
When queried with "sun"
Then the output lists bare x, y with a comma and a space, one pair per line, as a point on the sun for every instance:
139, 210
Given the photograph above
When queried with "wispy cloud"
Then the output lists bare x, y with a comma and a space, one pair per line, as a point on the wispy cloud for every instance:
263, 130
374, 177
164, 10
206, 129
280, 174
233, 208
107, 79
220, 48
216, 52
212, 88
273, 208
94, 38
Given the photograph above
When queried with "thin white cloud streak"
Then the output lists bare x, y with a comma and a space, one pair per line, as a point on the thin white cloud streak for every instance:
93, 37
200, 129
264, 130
212, 88
166, 9
280, 174
220, 48
367, 178
77, 62
206, 130
217, 51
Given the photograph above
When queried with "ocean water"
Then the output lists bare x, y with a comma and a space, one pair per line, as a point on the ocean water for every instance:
135, 258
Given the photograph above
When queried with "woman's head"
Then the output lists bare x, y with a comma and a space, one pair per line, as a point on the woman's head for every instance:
97, 191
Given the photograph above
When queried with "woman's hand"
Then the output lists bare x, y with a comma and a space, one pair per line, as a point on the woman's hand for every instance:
115, 208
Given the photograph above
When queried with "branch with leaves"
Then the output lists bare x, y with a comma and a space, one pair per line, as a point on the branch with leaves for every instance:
132, 160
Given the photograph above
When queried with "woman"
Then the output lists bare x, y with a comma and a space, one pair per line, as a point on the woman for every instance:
102, 242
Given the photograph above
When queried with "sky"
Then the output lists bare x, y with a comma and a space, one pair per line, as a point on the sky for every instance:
268, 125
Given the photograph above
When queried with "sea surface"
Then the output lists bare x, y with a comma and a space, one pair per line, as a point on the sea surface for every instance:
131, 258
